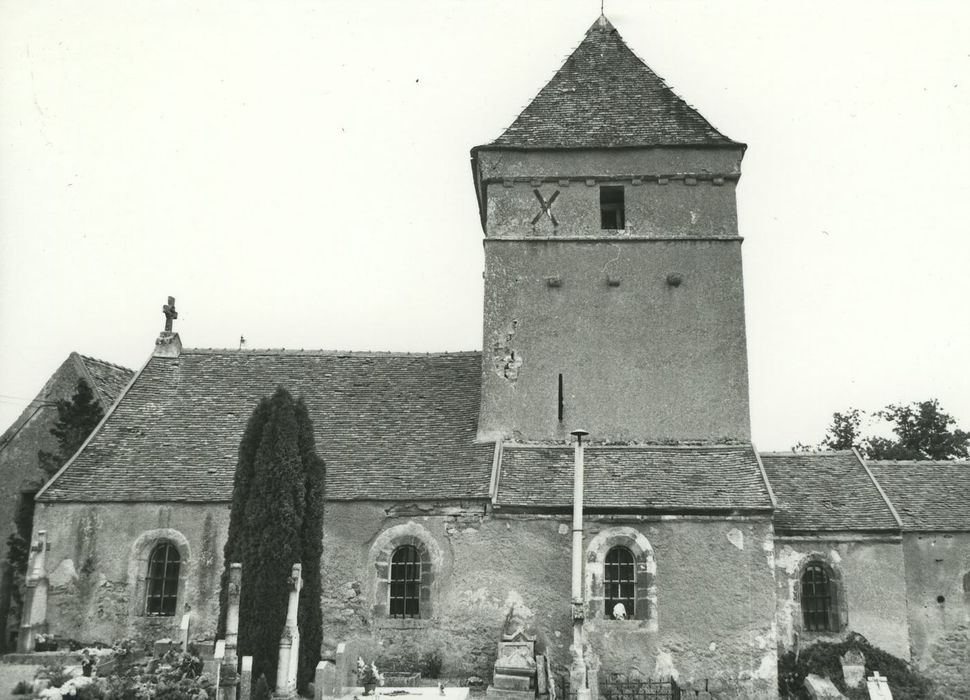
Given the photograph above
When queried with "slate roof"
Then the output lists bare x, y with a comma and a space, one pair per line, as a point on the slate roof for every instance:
635, 478
928, 495
109, 380
389, 426
606, 97
825, 491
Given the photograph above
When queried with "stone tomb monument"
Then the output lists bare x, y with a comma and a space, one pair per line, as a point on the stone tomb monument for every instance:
290, 641
853, 668
515, 667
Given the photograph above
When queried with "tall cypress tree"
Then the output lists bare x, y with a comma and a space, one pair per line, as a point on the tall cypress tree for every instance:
310, 616
275, 521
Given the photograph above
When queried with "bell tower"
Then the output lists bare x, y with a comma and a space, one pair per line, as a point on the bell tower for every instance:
613, 284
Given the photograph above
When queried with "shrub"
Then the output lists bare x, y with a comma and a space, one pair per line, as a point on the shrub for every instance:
824, 659
22, 688
431, 663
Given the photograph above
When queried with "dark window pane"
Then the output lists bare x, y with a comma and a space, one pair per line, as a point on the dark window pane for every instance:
817, 600
405, 588
612, 207
620, 581
161, 584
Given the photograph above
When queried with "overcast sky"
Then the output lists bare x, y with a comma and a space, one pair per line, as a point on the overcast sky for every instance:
297, 172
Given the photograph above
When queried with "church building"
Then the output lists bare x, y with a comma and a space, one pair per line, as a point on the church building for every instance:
613, 303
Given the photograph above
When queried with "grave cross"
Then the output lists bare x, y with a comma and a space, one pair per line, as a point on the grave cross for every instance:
170, 313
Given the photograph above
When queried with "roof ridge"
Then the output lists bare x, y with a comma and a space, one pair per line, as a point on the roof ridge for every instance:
321, 352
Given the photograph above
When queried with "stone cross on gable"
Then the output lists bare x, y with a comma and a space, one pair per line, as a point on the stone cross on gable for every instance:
170, 313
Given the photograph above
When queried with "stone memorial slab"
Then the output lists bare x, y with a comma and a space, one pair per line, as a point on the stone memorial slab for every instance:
818, 688
853, 668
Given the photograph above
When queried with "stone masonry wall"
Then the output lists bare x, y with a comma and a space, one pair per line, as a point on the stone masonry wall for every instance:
97, 564
20, 472
641, 361
938, 587
713, 589
872, 588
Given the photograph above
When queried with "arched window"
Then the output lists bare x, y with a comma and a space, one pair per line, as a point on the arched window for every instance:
619, 577
162, 582
820, 609
405, 580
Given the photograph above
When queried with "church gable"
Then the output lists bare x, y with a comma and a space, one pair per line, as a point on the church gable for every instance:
389, 426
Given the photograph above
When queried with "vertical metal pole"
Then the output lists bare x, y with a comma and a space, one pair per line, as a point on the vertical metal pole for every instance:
577, 674
578, 520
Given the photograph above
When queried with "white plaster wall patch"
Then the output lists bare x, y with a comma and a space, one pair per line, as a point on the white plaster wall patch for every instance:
736, 537
64, 574
665, 665
768, 668
788, 559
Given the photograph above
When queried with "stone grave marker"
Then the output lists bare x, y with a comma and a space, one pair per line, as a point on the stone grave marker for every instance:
246, 678
853, 668
878, 687
290, 640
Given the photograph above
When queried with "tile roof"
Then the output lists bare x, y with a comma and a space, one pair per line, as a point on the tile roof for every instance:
109, 379
825, 491
928, 495
662, 479
606, 97
389, 426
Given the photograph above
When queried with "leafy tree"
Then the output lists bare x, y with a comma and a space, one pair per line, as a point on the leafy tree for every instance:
843, 434
76, 419
276, 519
922, 429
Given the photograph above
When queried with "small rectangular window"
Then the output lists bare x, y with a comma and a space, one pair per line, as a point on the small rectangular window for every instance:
612, 215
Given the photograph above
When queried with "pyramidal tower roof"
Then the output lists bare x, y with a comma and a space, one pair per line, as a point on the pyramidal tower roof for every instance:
606, 97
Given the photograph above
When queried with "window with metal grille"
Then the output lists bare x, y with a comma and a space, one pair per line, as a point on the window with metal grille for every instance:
405, 582
619, 577
162, 583
819, 608
612, 215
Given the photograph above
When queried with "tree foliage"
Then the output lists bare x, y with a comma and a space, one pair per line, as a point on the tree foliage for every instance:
276, 520
76, 418
922, 430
